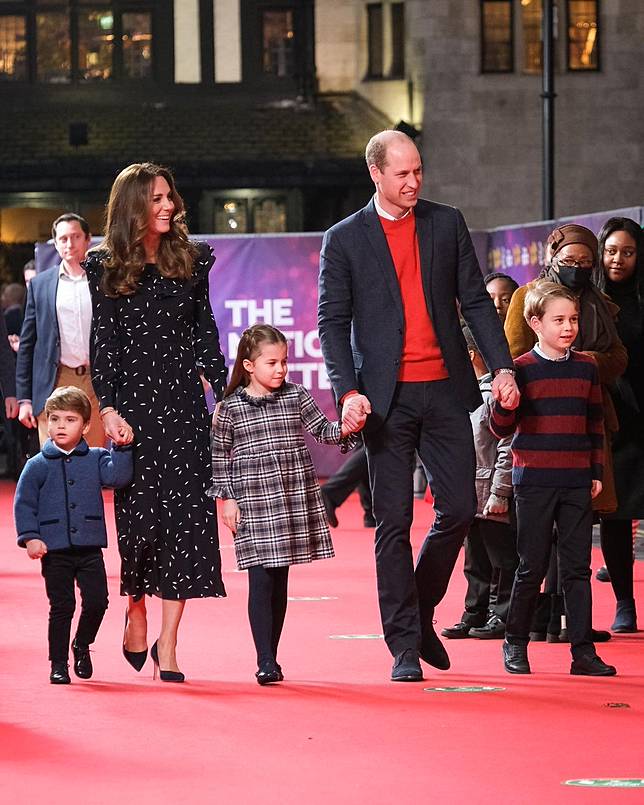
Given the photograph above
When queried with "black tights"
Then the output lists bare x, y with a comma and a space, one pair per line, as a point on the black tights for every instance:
267, 598
617, 547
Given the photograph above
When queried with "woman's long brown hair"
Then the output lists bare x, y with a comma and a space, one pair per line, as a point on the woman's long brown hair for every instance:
126, 226
250, 346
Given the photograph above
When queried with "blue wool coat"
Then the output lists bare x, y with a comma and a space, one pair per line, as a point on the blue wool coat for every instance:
58, 497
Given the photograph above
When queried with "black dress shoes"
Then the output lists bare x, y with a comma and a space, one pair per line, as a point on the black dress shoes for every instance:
433, 651
596, 636
591, 665
458, 631
406, 667
329, 508
493, 629
82, 661
268, 671
59, 674
515, 659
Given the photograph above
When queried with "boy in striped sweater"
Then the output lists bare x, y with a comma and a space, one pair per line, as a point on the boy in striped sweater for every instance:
557, 453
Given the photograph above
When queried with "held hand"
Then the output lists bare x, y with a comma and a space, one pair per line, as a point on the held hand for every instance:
495, 505
354, 412
11, 407
595, 489
117, 428
506, 391
14, 342
230, 514
26, 416
36, 549
205, 383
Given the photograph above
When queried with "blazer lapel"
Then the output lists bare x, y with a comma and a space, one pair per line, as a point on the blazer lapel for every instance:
378, 242
51, 298
425, 233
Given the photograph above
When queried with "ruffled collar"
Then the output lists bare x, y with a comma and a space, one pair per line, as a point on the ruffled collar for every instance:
259, 402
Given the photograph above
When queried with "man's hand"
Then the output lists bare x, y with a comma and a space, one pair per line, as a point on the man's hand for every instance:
11, 407
14, 342
354, 412
506, 391
595, 489
36, 548
26, 415
230, 514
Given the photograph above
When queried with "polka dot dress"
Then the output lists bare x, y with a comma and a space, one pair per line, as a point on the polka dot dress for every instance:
149, 350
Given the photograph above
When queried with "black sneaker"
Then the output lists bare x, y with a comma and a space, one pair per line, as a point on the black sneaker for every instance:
591, 665
406, 667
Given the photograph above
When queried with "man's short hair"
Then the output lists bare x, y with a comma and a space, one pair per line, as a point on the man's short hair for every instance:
376, 150
68, 217
69, 398
498, 275
541, 294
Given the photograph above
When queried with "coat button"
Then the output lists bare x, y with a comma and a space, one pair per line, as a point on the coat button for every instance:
70, 482
68, 461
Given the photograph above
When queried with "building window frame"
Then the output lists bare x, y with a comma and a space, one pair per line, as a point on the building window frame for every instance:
486, 45
597, 42
375, 41
251, 198
398, 38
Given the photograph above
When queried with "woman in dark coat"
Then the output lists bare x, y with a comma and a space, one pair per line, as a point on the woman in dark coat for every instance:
156, 344
620, 274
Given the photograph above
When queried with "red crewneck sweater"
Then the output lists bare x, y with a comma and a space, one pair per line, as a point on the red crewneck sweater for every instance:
421, 354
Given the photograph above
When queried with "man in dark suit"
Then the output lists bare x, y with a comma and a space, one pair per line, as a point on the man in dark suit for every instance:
55, 337
392, 277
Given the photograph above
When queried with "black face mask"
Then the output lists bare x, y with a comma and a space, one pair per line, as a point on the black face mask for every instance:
574, 278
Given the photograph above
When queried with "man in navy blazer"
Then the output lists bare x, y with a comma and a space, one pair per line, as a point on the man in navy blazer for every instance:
393, 278
55, 335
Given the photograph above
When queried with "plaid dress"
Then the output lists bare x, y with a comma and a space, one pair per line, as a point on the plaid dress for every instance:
260, 459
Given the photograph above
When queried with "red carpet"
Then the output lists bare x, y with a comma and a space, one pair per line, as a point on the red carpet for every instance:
337, 731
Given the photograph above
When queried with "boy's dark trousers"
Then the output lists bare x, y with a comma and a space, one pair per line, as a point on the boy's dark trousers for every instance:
538, 508
490, 544
60, 570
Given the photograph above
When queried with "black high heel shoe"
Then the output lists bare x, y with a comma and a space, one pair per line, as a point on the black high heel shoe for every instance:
268, 671
135, 658
166, 676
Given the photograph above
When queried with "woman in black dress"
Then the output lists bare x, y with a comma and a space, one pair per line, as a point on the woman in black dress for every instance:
156, 348
620, 274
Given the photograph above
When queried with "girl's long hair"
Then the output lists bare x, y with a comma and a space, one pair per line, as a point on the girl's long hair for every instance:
126, 226
250, 346
635, 231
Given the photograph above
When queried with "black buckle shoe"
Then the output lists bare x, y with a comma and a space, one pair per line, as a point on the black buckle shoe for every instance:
406, 667
59, 673
82, 661
433, 651
515, 659
591, 665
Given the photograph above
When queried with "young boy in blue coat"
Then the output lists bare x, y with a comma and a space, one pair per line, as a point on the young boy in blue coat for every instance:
58, 509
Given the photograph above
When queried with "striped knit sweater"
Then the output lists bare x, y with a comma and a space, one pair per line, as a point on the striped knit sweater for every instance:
559, 422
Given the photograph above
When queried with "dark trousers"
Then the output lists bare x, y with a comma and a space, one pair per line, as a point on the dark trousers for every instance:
353, 473
60, 570
490, 554
617, 547
538, 509
428, 418
267, 599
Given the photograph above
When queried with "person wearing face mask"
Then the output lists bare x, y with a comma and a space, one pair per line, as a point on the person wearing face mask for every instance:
620, 274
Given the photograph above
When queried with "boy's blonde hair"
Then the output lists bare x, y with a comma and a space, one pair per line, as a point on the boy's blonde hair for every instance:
69, 398
542, 292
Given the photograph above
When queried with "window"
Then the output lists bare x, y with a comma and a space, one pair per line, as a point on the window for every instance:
532, 40
397, 40
583, 49
496, 36
375, 67
13, 49
239, 212
278, 43
77, 40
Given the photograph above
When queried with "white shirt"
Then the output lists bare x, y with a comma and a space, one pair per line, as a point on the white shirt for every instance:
386, 215
539, 351
74, 312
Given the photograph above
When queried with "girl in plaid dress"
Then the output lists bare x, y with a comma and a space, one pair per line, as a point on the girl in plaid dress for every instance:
264, 474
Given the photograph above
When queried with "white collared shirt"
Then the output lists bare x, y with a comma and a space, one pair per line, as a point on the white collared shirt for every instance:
74, 312
386, 215
539, 351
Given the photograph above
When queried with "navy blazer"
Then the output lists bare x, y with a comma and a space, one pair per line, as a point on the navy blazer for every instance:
39, 351
7, 363
360, 313
58, 498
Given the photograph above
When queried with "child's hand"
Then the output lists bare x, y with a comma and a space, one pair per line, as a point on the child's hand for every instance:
126, 434
230, 514
36, 549
595, 489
